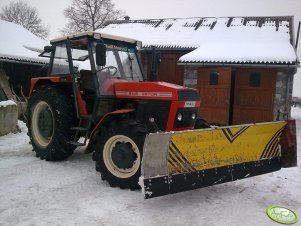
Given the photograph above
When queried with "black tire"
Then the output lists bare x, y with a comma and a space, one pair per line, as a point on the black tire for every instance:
51, 114
201, 123
118, 152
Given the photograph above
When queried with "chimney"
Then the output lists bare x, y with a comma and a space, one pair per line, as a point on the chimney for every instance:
126, 18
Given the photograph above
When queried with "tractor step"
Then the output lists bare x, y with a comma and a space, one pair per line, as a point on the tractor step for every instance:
79, 128
75, 143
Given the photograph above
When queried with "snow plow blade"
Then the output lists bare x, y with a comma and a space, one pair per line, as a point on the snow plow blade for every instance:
179, 161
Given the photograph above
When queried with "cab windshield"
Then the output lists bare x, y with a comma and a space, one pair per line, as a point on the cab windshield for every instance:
121, 63
121, 60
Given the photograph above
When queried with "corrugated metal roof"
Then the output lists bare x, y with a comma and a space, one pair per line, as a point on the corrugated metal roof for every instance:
223, 39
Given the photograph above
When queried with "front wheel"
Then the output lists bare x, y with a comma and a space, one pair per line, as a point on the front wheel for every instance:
118, 152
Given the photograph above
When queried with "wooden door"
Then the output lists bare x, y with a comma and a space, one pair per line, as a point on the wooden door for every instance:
214, 86
169, 71
254, 95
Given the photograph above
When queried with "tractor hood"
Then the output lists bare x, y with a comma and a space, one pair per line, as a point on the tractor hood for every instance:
155, 91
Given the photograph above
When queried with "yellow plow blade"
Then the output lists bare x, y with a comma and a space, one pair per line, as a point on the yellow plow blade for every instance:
179, 161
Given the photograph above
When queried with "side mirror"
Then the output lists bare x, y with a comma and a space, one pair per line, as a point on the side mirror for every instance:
100, 55
48, 49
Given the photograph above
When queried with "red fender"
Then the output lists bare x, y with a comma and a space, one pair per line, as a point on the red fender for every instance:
100, 123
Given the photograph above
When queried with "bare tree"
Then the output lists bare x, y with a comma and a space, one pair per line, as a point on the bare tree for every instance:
21, 13
89, 15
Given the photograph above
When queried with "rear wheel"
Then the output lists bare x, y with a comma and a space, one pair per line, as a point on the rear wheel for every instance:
51, 114
118, 153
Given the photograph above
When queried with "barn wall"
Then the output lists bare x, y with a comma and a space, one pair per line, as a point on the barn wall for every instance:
254, 95
283, 89
166, 68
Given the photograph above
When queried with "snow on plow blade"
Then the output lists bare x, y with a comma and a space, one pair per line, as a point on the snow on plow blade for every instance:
180, 161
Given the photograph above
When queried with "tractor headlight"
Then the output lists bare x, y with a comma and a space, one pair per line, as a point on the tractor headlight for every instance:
193, 116
179, 117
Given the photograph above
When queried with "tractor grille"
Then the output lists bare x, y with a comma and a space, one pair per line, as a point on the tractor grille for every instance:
159, 110
188, 94
187, 120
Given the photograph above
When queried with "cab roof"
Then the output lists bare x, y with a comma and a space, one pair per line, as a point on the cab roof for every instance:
96, 35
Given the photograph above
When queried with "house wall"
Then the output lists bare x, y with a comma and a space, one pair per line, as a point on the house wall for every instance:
277, 84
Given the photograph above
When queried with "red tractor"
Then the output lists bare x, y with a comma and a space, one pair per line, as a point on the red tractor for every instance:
105, 99
95, 89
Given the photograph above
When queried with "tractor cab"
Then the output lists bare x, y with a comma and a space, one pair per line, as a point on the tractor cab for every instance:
98, 53
94, 62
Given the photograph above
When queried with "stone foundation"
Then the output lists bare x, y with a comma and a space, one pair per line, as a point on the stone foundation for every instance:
8, 117
283, 95
191, 77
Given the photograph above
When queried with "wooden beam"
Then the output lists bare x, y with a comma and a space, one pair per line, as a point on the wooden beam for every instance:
4, 85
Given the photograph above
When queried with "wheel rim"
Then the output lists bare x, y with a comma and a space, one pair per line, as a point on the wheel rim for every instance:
121, 156
42, 124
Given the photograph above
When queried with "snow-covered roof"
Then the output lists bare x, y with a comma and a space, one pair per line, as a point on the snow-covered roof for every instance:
219, 40
96, 35
19, 44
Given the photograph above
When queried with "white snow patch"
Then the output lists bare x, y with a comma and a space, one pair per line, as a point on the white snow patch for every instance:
141, 183
6, 103
296, 113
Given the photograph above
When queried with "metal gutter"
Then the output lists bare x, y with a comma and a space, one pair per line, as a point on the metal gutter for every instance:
239, 65
23, 62
148, 48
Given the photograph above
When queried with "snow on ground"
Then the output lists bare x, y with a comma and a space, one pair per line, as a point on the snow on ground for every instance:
36, 192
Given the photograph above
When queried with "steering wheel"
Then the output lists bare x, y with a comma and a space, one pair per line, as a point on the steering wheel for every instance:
109, 68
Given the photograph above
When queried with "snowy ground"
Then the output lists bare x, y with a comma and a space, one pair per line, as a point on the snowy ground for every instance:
35, 192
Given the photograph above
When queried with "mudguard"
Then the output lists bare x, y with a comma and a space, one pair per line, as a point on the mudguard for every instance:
179, 161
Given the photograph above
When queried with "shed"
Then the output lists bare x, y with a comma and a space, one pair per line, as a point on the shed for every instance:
19, 60
243, 67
